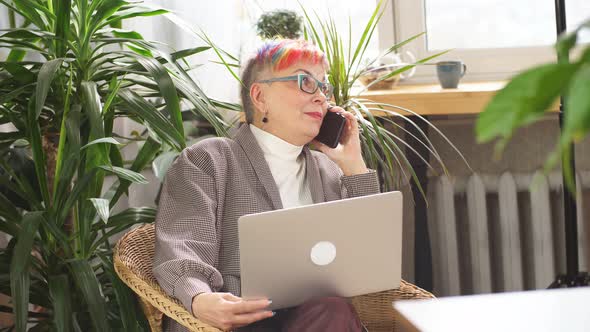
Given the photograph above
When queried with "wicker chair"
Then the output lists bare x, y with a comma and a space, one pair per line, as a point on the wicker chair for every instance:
133, 263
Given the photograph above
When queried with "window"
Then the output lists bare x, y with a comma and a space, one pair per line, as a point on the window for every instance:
495, 38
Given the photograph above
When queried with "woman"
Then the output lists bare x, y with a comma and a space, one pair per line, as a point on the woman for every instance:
266, 165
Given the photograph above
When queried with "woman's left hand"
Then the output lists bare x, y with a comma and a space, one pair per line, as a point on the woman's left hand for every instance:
347, 155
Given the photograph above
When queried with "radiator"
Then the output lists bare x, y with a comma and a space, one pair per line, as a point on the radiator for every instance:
498, 233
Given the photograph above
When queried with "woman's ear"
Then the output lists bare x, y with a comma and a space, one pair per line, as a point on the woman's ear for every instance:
257, 97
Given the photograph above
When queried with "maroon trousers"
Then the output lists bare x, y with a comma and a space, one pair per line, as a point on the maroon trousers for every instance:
321, 314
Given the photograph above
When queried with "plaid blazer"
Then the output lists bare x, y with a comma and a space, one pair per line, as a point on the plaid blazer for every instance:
209, 186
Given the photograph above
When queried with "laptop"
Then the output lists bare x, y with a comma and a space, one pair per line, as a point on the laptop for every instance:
340, 248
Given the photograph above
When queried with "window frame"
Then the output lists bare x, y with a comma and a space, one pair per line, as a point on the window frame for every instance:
407, 18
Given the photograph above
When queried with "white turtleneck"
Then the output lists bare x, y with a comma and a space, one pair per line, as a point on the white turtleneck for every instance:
287, 166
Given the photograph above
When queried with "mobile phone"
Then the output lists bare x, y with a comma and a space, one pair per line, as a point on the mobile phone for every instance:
331, 129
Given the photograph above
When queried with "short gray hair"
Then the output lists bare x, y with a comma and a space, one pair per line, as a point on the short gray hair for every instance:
249, 76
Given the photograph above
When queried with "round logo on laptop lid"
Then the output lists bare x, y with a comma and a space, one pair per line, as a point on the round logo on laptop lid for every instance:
323, 253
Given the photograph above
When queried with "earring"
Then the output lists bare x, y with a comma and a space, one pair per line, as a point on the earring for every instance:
265, 119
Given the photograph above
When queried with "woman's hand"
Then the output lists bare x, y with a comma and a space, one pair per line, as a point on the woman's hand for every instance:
347, 155
227, 312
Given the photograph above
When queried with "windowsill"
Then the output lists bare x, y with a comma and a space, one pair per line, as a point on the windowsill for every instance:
431, 99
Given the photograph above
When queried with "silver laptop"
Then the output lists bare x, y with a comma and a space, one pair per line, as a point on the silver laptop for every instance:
340, 248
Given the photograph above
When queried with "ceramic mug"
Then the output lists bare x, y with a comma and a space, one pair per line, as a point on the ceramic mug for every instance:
450, 72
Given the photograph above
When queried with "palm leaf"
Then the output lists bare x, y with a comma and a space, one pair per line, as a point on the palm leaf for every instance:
154, 118
167, 89
90, 290
59, 291
19, 275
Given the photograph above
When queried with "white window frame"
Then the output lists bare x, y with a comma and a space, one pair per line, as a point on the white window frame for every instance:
407, 18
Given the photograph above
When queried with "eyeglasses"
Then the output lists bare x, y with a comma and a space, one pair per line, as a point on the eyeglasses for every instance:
306, 82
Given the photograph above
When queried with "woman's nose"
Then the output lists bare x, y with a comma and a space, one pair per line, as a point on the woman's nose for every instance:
319, 97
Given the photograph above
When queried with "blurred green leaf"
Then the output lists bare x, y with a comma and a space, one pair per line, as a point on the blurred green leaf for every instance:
90, 289
19, 275
161, 164
524, 99
125, 297
19, 72
7, 209
59, 291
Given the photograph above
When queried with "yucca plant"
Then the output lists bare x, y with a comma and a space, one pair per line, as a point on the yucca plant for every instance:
382, 145
528, 95
82, 71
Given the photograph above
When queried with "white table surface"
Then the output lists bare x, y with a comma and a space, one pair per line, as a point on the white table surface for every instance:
538, 311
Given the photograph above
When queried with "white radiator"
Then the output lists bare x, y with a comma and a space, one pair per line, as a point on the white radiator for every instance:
493, 233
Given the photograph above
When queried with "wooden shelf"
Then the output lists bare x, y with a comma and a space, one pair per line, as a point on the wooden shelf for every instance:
431, 99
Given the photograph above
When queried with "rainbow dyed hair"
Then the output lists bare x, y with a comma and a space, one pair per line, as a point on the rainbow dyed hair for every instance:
277, 54
280, 54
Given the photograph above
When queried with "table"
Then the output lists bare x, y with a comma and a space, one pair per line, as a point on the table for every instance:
539, 311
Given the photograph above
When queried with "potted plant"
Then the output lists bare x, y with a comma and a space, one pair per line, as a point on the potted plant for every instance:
279, 23
86, 72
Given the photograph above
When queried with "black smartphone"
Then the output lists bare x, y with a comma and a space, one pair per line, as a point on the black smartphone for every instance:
331, 129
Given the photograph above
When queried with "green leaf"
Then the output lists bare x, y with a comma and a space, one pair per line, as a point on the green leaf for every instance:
120, 33
16, 55
565, 43
126, 174
524, 99
20, 279
102, 207
188, 52
123, 221
37, 149
26, 34
577, 107
577, 121
62, 26
140, 50
90, 290
46, 75
104, 11
26, 11
20, 73
104, 140
161, 164
168, 90
146, 111
59, 291
96, 155
143, 158
7, 209
125, 297
69, 154
143, 215
80, 186
134, 12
